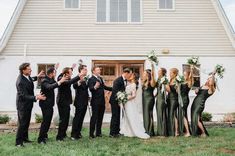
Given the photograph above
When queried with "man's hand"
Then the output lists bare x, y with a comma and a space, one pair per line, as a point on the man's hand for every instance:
97, 85
57, 65
62, 80
41, 74
40, 97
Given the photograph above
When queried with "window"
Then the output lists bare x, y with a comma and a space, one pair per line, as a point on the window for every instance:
108, 70
115, 11
43, 67
166, 4
72, 4
196, 75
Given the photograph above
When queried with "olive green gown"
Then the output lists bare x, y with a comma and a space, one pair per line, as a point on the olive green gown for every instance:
148, 104
196, 111
173, 104
161, 111
183, 110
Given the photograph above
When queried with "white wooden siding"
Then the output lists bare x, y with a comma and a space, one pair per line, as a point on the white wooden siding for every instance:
47, 29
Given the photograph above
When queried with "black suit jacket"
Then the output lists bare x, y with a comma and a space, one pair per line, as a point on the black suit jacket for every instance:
47, 88
118, 85
97, 94
25, 93
64, 96
81, 97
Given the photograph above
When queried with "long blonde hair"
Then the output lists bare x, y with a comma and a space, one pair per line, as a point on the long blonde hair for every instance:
175, 71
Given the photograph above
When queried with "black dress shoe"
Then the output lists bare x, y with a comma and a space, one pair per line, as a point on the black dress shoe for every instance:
59, 139
91, 136
20, 145
27, 141
79, 136
113, 136
43, 142
99, 135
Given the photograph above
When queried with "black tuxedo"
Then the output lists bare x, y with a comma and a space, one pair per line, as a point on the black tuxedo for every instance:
64, 99
80, 103
118, 85
47, 88
97, 104
24, 104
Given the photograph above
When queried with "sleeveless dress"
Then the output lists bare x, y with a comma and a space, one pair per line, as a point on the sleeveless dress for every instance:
161, 111
148, 104
131, 125
196, 111
183, 110
173, 104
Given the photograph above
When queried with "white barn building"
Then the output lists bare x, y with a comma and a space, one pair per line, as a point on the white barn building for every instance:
116, 34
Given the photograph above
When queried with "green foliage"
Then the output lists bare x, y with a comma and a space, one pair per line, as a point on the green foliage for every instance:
206, 116
38, 118
4, 119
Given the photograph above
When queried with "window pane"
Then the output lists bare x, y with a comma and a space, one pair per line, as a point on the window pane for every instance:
122, 10
162, 4
75, 4
135, 10
68, 3
169, 4
101, 10
113, 10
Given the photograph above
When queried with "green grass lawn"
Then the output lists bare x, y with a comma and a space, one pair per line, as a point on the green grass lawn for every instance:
221, 142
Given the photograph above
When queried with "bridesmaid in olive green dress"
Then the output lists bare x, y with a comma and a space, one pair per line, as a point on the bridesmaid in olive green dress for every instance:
148, 101
161, 104
198, 129
173, 104
183, 115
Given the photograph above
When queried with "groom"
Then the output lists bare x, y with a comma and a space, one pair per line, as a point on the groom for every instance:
118, 85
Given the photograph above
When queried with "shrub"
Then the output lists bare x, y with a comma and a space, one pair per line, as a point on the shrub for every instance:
38, 118
206, 116
4, 119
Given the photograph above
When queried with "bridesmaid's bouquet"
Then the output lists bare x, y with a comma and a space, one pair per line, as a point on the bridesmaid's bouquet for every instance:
193, 60
179, 79
152, 57
122, 97
219, 70
164, 80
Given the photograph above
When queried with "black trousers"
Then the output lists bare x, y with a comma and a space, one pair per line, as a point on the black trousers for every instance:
24, 117
47, 114
115, 120
97, 118
78, 119
64, 114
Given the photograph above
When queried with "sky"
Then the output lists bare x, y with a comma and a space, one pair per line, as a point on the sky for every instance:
7, 8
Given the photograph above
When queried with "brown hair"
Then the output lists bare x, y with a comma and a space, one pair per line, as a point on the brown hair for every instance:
66, 70
175, 71
23, 66
164, 71
94, 67
81, 67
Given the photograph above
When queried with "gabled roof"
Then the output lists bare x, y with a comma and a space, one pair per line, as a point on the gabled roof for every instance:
20, 6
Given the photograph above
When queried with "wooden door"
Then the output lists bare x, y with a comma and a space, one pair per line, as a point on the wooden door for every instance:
110, 70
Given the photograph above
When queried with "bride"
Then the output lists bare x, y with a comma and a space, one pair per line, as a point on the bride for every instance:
131, 125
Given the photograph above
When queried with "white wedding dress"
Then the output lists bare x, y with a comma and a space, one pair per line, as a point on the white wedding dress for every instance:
131, 122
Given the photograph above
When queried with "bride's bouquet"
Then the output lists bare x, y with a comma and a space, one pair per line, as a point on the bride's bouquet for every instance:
164, 80
219, 70
193, 60
122, 97
152, 57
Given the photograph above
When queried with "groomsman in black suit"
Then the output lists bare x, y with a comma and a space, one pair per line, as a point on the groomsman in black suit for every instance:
118, 85
48, 85
97, 87
24, 102
80, 102
64, 99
